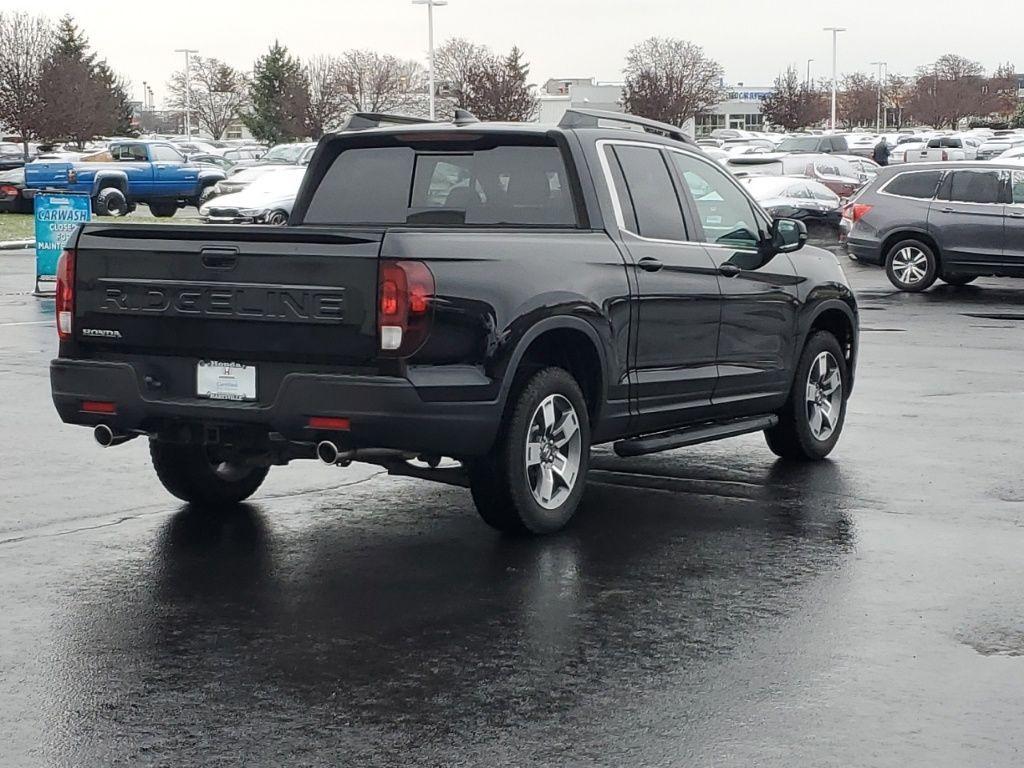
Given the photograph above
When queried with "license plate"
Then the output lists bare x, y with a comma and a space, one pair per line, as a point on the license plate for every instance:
225, 381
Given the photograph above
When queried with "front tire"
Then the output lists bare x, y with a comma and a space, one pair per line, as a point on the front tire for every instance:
163, 210
533, 480
189, 472
812, 419
911, 266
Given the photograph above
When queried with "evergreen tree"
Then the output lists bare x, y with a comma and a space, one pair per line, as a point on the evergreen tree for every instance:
496, 88
279, 96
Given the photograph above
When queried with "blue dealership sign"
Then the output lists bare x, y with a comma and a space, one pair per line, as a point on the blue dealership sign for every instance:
57, 217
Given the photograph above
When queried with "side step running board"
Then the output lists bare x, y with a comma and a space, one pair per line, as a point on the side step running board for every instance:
702, 433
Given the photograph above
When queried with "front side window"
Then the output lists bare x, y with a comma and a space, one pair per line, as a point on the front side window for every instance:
921, 185
975, 187
165, 154
725, 212
651, 193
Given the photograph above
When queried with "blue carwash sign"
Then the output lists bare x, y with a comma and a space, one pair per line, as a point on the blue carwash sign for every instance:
57, 217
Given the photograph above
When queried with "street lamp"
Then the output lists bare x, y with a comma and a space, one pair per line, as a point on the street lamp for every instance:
808, 80
835, 39
878, 117
430, 37
188, 87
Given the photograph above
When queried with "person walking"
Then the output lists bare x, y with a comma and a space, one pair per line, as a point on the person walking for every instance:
881, 153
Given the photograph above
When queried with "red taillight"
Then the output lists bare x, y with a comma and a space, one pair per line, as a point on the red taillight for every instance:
329, 422
65, 297
406, 290
855, 211
8, 190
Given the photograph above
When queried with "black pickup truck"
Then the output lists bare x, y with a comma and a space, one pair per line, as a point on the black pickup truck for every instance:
504, 295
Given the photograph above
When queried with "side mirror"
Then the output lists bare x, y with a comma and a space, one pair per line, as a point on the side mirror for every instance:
787, 235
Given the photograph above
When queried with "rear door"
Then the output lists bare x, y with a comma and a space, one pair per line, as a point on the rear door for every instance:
678, 301
967, 217
1013, 250
759, 298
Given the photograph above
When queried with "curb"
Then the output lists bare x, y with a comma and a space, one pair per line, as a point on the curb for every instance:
16, 245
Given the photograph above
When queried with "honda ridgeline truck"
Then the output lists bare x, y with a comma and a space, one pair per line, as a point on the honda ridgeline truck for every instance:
506, 295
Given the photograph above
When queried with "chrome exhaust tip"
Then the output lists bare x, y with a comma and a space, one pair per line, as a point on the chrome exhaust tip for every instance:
327, 452
106, 437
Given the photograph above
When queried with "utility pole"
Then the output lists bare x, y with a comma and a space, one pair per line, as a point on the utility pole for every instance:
188, 87
878, 116
430, 42
835, 70
807, 82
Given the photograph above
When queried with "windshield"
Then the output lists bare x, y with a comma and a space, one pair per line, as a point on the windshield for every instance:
286, 153
800, 144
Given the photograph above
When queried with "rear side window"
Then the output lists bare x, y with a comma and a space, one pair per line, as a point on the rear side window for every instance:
839, 144
975, 187
1018, 187
504, 185
921, 185
651, 192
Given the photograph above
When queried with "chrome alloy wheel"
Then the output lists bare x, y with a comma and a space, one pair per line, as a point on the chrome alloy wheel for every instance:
824, 396
910, 265
553, 450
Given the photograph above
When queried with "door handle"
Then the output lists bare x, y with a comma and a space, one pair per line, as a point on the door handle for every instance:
219, 258
948, 210
1017, 214
649, 264
729, 270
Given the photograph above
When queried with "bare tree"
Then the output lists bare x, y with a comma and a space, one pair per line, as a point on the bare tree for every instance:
25, 43
218, 94
949, 90
374, 82
455, 61
793, 103
896, 92
858, 100
327, 102
671, 80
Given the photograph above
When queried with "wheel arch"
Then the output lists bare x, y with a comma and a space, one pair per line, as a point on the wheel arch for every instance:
911, 234
110, 179
836, 317
569, 342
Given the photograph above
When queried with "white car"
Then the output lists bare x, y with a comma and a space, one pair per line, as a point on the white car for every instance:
267, 200
239, 180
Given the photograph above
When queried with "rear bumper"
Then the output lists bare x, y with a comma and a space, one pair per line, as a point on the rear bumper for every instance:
865, 250
383, 412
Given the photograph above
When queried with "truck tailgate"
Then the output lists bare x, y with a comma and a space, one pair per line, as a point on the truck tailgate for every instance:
300, 294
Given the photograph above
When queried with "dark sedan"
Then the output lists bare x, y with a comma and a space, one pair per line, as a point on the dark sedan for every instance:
794, 197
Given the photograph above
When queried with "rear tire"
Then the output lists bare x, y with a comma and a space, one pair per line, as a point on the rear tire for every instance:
812, 419
277, 219
188, 472
911, 266
533, 480
958, 280
163, 210
110, 201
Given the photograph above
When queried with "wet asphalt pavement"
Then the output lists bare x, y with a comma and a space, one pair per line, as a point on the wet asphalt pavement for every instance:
709, 607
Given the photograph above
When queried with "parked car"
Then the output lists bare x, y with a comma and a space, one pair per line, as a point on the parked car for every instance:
831, 170
268, 200
947, 221
217, 161
945, 148
12, 156
298, 153
862, 144
998, 145
866, 168
834, 143
239, 179
127, 173
794, 197
444, 290
194, 147
12, 192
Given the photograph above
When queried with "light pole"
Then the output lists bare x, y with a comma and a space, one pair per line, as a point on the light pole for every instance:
835, 74
430, 41
807, 82
878, 117
188, 87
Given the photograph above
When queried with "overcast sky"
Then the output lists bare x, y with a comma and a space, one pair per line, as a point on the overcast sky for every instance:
753, 39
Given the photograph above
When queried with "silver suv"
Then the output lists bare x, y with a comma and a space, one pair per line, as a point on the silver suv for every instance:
951, 221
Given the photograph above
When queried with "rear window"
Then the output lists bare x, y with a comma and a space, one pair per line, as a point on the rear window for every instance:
504, 185
921, 185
